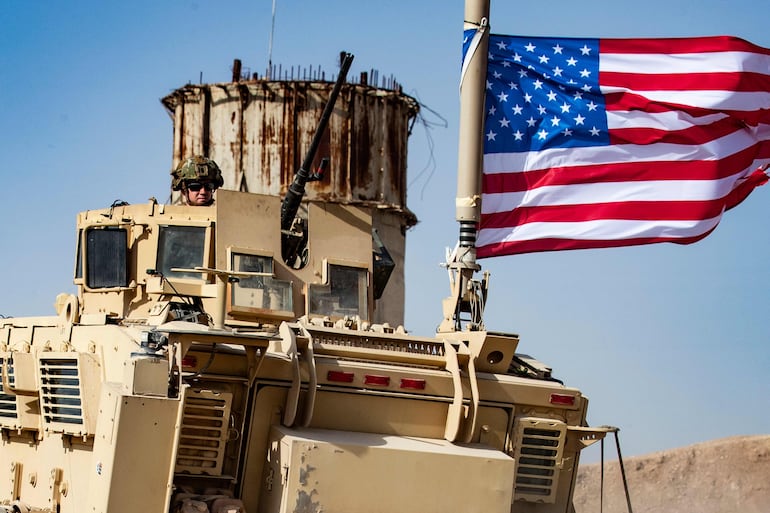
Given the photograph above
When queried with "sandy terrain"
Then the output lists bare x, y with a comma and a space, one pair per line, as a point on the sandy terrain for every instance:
730, 475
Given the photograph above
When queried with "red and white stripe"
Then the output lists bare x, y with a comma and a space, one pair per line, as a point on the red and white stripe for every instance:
689, 125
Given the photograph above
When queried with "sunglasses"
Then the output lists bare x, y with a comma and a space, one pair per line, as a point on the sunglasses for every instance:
196, 186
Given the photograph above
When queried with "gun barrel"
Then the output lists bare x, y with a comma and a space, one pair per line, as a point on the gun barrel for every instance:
296, 190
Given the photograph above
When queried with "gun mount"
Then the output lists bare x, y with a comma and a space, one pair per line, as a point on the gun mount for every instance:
294, 242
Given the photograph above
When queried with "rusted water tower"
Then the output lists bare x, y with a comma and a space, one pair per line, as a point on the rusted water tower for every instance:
258, 131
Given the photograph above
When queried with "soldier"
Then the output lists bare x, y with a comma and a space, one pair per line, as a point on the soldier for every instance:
197, 178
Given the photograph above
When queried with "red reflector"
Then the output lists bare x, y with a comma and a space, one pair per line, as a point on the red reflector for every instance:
340, 376
563, 399
414, 384
189, 361
371, 379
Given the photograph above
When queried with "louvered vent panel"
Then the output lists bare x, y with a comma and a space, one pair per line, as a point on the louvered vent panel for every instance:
8, 415
69, 391
539, 446
372, 341
204, 432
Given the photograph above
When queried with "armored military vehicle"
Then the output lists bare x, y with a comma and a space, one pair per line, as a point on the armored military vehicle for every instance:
225, 359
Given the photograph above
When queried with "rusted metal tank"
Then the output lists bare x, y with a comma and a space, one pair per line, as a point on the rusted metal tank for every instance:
258, 131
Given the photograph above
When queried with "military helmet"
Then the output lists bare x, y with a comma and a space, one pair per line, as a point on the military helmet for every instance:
196, 168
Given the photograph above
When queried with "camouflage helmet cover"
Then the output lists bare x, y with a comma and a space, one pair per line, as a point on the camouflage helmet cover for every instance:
196, 168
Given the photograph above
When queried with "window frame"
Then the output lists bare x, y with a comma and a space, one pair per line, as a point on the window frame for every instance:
199, 278
252, 311
328, 263
82, 258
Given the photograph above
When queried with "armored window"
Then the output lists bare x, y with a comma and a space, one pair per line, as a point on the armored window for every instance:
79, 259
344, 293
181, 247
259, 294
106, 258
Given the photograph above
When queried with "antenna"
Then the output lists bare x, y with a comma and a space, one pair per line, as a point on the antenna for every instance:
270, 47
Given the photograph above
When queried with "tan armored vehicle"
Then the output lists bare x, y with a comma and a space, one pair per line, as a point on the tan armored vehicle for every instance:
229, 358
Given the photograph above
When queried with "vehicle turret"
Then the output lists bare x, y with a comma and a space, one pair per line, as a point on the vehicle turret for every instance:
153, 263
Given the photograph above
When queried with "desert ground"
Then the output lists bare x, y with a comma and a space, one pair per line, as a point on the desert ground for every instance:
730, 475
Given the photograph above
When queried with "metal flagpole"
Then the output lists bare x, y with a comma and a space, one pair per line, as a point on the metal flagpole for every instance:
467, 295
472, 89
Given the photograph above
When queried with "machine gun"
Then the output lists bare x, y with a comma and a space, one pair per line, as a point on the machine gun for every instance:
293, 233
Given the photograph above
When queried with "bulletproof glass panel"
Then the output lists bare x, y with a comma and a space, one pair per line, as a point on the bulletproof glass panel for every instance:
79, 259
181, 247
107, 257
259, 292
344, 294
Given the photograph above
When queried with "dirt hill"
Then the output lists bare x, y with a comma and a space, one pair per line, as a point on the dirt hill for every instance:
730, 475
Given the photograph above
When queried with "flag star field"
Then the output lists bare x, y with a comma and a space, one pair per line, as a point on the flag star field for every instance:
555, 101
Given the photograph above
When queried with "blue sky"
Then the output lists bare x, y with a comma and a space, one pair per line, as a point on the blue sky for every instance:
671, 343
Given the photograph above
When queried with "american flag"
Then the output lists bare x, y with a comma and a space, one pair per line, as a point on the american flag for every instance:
594, 143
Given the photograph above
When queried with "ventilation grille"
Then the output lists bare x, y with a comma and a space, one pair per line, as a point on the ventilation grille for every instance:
8, 415
62, 403
204, 432
70, 384
19, 402
539, 446
413, 346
